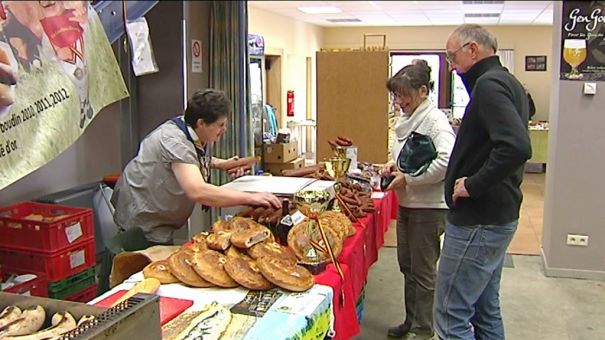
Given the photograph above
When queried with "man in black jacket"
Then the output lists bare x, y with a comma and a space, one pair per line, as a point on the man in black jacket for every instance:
482, 189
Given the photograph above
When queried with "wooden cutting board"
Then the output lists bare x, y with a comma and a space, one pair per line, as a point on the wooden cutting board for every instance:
169, 307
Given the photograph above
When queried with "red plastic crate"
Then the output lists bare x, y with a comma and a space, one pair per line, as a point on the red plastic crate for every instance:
85, 295
35, 287
63, 227
57, 266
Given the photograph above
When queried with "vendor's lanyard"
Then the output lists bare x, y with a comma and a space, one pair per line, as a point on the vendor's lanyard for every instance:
203, 156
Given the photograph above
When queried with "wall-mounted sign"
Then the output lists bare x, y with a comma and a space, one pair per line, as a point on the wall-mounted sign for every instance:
57, 71
196, 56
535, 63
583, 40
256, 45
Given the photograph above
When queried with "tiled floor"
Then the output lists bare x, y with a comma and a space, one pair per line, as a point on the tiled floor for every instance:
528, 237
534, 307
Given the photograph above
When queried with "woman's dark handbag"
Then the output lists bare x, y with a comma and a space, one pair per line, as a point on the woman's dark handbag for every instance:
416, 154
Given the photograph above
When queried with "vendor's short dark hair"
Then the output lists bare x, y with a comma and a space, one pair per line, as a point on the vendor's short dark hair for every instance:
208, 105
412, 76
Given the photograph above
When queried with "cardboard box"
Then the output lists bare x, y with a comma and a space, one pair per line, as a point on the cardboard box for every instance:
276, 168
280, 153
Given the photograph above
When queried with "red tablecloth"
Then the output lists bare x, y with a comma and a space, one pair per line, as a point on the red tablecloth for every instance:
353, 255
346, 324
358, 254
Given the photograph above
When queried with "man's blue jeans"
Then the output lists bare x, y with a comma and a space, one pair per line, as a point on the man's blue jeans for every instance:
468, 281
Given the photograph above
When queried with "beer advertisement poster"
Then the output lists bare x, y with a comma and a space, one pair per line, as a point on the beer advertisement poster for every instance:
583, 40
57, 71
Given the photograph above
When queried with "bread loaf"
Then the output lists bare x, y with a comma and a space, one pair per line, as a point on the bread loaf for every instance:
284, 274
160, 271
180, 266
209, 265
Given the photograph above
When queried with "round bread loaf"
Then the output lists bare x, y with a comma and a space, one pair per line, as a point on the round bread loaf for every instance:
273, 249
180, 264
246, 273
301, 236
198, 246
221, 225
233, 251
285, 274
159, 270
201, 237
219, 240
334, 220
248, 237
241, 223
209, 265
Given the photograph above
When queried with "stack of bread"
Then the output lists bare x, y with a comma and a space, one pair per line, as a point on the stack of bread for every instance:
237, 252
305, 238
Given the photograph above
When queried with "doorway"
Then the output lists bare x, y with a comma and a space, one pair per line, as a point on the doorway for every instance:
273, 74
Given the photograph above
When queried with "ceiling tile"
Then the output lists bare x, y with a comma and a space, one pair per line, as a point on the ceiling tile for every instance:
415, 12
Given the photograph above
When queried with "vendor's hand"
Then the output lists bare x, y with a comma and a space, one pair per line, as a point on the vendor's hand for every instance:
460, 189
398, 182
239, 171
266, 199
386, 169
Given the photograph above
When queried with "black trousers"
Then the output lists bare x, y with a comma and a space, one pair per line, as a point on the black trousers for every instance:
418, 250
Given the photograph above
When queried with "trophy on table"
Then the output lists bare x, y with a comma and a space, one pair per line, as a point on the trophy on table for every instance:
337, 167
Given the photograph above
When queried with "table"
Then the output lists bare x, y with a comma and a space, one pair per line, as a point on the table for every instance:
327, 308
539, 145
308, 315
358, 254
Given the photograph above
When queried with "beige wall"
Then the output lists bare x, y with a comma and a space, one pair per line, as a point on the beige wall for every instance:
525, 40
294, 41
575, 185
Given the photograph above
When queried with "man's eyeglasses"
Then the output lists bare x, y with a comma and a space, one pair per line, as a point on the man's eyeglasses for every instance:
449, 57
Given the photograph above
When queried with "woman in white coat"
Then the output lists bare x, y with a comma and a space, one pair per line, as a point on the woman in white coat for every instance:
422, 207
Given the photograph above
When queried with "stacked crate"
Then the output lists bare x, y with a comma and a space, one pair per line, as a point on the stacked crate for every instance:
279, 157
53, 239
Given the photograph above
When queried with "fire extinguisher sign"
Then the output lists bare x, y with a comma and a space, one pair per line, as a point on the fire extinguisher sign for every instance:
290, 103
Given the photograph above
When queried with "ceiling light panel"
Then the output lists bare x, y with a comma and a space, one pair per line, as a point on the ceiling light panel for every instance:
518, 5
483, 8
320, 9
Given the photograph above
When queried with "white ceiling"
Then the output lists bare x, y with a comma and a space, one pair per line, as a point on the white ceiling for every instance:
417, 13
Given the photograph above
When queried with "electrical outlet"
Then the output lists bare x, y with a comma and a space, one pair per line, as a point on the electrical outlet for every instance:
577, 240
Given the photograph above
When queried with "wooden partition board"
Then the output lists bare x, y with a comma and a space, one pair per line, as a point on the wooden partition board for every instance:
352, 100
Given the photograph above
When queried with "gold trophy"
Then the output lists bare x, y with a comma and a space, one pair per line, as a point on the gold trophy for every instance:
337, 167
340, 152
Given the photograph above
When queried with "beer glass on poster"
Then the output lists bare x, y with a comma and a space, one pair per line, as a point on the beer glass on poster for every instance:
535, 63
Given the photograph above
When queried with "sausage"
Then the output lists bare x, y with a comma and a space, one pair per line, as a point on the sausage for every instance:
343, 141
231, 164
258, 212
262, 219
332, 143
302, 172
246, 212
274, 218
346, 139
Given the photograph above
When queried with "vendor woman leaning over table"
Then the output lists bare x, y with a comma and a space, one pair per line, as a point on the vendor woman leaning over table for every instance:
158, 189
422, 209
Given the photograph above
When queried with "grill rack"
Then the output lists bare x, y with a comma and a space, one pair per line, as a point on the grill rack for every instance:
110, 318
